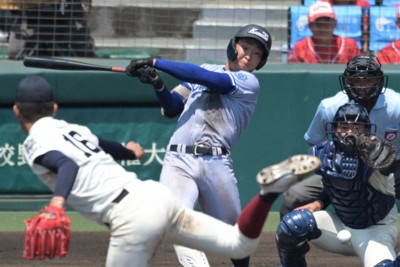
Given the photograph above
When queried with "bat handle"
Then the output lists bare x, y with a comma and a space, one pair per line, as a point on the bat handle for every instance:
118, 69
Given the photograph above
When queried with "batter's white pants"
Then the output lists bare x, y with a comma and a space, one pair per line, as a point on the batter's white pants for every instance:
150, 213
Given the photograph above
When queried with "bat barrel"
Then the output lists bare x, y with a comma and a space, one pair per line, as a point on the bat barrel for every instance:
65, 64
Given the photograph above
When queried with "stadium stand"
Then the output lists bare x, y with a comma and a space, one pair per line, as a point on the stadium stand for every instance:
383, 30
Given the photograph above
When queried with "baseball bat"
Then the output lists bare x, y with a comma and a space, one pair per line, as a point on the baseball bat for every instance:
65, 64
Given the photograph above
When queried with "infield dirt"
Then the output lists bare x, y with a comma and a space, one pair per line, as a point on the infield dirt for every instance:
88, 249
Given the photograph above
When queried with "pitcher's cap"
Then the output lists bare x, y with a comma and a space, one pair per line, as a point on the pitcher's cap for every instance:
34, 89
320, 9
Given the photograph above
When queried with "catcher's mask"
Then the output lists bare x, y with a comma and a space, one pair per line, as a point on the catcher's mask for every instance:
350, 121
363, 80
251, 31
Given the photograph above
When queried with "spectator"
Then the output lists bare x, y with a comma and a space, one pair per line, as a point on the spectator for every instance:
363, 4
50, 28
390, 54
323, 46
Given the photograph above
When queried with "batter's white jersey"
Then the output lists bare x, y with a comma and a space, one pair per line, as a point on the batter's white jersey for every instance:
94, 188
385, 115
217, 120
213, 119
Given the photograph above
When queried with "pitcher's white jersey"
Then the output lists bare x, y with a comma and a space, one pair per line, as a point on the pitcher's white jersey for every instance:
93, 188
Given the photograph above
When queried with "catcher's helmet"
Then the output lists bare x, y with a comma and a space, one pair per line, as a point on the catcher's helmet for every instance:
363, 80
251, 31
356, 116
351, 113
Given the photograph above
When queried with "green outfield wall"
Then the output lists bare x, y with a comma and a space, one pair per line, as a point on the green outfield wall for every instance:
118, 107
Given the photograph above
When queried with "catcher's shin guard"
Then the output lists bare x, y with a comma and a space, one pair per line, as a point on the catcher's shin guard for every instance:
241, 263
295, 257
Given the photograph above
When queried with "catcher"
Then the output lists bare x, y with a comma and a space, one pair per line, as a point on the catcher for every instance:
356, 183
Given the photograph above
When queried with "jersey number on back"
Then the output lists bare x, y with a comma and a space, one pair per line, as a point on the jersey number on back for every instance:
87, 147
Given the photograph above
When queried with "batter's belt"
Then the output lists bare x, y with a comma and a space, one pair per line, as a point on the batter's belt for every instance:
199, 150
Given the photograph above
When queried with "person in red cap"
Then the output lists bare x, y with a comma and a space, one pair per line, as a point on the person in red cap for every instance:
365, 17
323, 46
390, 54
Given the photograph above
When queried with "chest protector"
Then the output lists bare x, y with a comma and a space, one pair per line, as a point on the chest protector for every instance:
345, 179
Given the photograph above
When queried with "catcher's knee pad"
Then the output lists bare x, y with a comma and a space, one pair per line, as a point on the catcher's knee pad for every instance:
296, 227
389, 263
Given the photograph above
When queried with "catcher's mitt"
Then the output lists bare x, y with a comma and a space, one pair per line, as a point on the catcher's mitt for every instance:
47, 237
377, 154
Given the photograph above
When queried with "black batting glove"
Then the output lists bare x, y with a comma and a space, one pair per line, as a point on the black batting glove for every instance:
132, 69
149, 75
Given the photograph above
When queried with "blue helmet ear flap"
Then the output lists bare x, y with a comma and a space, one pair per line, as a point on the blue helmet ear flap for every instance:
231, 50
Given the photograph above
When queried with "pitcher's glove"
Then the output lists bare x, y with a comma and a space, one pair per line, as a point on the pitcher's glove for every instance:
377, 154
47, 237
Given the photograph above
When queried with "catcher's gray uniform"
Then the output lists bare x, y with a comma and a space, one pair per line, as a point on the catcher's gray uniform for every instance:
371, 245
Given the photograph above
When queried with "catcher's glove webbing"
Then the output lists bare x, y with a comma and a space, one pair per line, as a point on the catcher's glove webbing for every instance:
47, 237
377, 154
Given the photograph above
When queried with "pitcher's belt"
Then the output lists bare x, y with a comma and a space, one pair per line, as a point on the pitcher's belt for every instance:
199, 150
121, 196
118, 199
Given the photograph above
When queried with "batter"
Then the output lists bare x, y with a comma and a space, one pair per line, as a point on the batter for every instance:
215, 104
